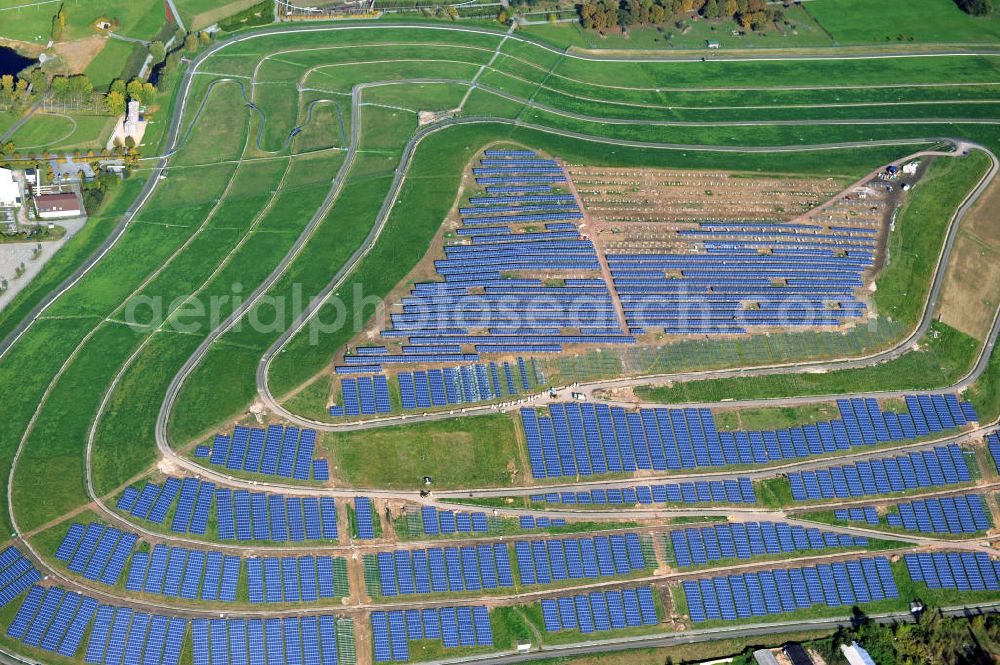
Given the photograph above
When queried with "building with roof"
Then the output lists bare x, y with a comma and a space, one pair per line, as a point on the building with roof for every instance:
54, 206
764, 657
10, 192
855, 655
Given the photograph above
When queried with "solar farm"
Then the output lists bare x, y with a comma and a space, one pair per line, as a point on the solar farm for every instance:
411, 340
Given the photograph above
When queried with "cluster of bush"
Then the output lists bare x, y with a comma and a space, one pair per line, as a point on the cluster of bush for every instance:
602, 15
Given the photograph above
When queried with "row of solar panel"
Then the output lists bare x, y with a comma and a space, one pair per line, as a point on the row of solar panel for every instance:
365, 395
311, 640
993, 443
447, 521
283, 452
583, 439
365, 517
55, 620
468, 568
247, 516
743, 540
944, 465
459, 385
454, 626
600, 611
965, 571
293, 579
495, 249
16, 575
964, 513
532, 522
545, 561
240, 515
731, 490
195, 500
191, 574
867, 514
97, 552
786, 590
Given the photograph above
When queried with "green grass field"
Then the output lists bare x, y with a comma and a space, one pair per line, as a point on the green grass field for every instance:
858, 22
941, 360
108, 64
454, 453
54, 132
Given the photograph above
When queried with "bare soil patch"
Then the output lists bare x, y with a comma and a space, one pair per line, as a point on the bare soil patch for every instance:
972, 283
76, 55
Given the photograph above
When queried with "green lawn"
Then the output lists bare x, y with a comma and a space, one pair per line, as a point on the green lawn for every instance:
778, 417
940, 361
108, 64
920, 228
141, 19
901, 21
45, 131
474, 452
27, 21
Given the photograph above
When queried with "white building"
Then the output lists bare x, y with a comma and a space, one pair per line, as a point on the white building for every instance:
10, 192
855, 655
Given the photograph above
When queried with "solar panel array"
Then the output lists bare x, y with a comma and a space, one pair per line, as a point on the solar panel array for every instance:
993, 443
466, 384
441, 569
249, 516
731, 490
455, 626
963, 513
547, 561
728, 277
777, 591
868, 514
600, 611
365, 517
364, 395
531, 522
56, 621
16, 575
190, 574
583, 439
743, 540
296, 579
308, 640
447, 521
284, 452
944, 465
479, 302
241, 515
96, 552
965, 571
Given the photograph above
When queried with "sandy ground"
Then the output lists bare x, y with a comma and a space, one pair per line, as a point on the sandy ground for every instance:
13, 254
74, 56
972, 285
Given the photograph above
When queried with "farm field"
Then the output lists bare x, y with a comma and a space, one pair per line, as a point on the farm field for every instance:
315, 180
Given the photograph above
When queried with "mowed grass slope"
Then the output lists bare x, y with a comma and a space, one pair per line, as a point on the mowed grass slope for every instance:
895, 21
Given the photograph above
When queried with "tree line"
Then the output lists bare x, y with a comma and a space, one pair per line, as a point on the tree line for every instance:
602, 15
